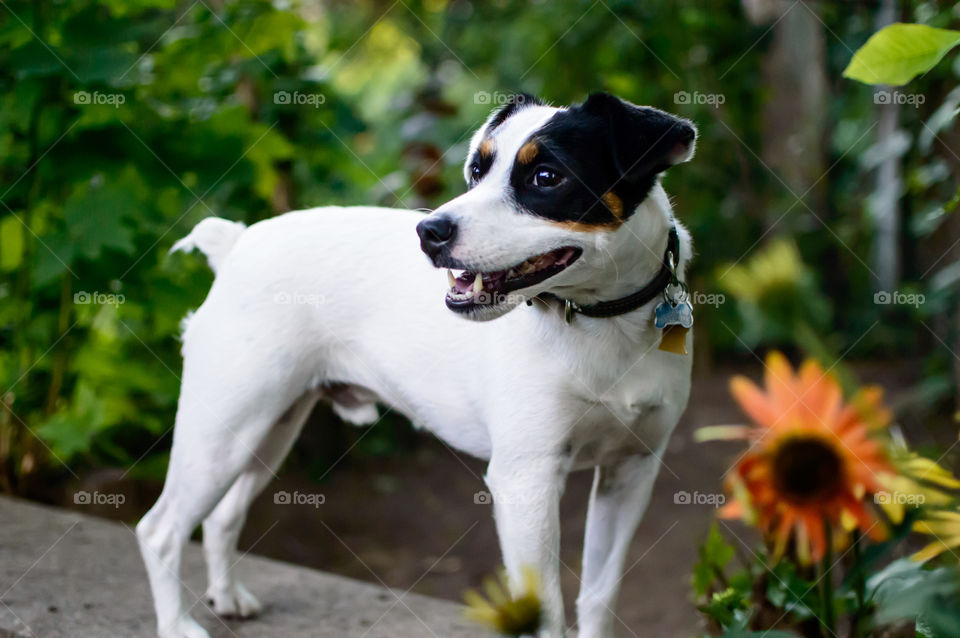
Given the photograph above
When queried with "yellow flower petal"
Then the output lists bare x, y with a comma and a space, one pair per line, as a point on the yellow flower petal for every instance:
848, 521
894, 511
803, 544
495, 592
927, 470
936, 548
930, 551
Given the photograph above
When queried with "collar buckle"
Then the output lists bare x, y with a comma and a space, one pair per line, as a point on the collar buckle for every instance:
569, 307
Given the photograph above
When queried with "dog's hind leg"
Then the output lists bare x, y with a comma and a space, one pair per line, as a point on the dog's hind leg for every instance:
617, 502
222, 527
229, 401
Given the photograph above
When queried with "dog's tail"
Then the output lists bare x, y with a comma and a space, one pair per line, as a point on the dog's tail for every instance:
214, 237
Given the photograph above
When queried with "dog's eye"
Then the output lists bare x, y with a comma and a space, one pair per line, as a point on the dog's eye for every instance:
474, 174
545, 177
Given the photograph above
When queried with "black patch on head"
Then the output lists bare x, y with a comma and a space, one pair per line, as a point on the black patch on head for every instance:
516, 102
603, 145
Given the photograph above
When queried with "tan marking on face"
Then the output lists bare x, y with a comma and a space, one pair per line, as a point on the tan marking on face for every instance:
614, 203
527, 152
582, 227
486, 147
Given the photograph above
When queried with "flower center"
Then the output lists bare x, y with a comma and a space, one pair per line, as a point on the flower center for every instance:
806, 470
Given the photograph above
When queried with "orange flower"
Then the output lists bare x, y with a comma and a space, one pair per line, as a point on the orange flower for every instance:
811, 461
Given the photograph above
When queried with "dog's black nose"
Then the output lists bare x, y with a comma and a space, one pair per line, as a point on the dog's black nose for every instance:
435, 233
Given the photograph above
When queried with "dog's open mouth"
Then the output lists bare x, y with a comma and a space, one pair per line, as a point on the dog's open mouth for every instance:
472, 288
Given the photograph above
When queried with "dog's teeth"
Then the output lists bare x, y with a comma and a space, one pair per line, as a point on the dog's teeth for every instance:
478, 283
451, 278
511, 273
526, 267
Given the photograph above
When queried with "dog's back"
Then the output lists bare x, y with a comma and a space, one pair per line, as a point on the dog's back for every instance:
306, 294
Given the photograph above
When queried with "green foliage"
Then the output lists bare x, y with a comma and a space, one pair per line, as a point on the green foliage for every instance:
729, 608
930, 598
736, 600
901, 592
776, 292
898, 53
715, 553
124, 124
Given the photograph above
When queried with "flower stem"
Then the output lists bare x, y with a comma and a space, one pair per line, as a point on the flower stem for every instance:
826, 587
860, 586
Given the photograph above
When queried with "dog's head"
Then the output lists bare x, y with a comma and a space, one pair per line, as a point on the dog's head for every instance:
547, 188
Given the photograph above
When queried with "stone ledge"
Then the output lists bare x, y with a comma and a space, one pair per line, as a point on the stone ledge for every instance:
65, 574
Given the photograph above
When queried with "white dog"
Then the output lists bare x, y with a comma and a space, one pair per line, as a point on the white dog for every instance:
565, 212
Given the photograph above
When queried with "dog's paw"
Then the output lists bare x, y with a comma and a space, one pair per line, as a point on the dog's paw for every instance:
236, 601
185, 628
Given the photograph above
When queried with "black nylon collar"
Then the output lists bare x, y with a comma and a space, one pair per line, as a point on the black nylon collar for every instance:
623, 305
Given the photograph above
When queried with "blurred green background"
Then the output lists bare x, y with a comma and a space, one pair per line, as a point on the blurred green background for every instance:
124, 122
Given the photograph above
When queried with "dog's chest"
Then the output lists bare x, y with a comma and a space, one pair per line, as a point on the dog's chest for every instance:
635, 415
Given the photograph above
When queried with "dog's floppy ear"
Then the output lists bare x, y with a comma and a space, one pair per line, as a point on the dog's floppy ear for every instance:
643, 141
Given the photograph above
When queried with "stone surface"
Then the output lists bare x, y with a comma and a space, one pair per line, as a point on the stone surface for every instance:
64, 574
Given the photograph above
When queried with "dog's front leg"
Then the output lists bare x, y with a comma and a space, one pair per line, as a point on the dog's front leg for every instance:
526, 493
618, 500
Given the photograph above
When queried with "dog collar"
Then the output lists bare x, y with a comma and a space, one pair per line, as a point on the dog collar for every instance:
623, 305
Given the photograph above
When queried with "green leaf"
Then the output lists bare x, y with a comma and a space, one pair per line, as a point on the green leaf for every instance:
714, 555
52, 258
949, 206
34, 59
95, 212
908, 590
69, 431
11, 243
898, 53
727, 608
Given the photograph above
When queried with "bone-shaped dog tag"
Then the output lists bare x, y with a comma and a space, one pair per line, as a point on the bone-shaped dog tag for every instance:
680, 314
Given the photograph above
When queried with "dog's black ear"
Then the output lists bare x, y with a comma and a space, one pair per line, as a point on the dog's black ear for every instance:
644, 141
